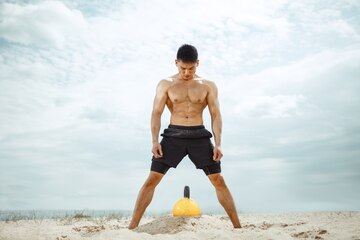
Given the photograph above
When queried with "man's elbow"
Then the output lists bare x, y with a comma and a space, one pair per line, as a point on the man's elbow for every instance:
156, 113
215, 115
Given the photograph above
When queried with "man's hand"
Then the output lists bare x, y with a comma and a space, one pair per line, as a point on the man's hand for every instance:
157, 150
217, 154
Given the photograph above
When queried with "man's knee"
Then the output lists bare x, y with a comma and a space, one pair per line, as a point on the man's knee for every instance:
217, 180
153, 179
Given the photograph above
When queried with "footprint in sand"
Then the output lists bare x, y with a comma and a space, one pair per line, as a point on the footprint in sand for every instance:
265, 225
63, 237
310, 234
89, 229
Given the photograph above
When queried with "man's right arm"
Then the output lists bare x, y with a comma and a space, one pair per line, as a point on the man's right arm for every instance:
158, 108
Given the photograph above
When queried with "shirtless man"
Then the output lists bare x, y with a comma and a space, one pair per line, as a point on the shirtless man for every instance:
186, 95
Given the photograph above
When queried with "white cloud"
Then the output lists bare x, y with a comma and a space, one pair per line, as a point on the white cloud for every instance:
319, 19
240, 150
270, 106
44, 24
283, 91
269, 165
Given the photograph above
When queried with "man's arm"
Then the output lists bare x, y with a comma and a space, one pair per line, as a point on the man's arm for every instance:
158, 108
216, 121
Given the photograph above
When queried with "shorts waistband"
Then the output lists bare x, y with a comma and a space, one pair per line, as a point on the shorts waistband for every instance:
187, 127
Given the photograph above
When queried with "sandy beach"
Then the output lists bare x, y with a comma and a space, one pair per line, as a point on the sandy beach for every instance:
316, 225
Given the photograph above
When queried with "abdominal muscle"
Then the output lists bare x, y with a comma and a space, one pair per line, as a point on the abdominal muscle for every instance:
186, 121
192, 117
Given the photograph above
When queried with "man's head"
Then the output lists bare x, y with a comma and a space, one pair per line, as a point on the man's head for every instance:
187, 61
187, 53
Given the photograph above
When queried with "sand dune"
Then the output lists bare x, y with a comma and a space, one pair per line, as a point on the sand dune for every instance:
323, 225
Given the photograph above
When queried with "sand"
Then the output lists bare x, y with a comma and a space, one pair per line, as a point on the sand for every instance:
316, 225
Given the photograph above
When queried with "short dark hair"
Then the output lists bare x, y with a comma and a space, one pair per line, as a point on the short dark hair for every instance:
187, 53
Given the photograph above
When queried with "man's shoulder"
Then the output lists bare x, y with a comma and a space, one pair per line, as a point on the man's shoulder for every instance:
166, 81
164, 84
207, 82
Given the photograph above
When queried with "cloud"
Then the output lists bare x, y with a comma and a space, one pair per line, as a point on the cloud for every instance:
293, 86
45, 24
80, 107
270, 107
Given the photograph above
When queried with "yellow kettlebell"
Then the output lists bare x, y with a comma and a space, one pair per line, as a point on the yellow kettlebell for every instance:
186, 206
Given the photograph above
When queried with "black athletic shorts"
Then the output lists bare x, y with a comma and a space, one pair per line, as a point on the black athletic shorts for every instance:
179, 141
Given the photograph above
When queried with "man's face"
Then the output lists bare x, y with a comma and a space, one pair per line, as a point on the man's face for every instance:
186, 70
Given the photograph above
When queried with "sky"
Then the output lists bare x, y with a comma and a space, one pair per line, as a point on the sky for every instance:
78, 78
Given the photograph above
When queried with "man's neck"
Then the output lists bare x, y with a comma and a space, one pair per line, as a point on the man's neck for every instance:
178, 78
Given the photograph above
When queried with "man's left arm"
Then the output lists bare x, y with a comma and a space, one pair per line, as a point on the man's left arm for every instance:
216, 121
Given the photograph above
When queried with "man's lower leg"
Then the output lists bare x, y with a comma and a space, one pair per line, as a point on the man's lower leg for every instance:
144, 198
226, 200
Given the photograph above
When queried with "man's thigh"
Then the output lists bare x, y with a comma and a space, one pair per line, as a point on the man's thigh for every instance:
201, 152
174, 150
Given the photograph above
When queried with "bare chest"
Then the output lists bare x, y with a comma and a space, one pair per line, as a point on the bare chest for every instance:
195, 93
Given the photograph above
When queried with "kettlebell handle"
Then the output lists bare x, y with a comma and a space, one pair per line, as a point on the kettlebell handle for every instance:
186, 192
